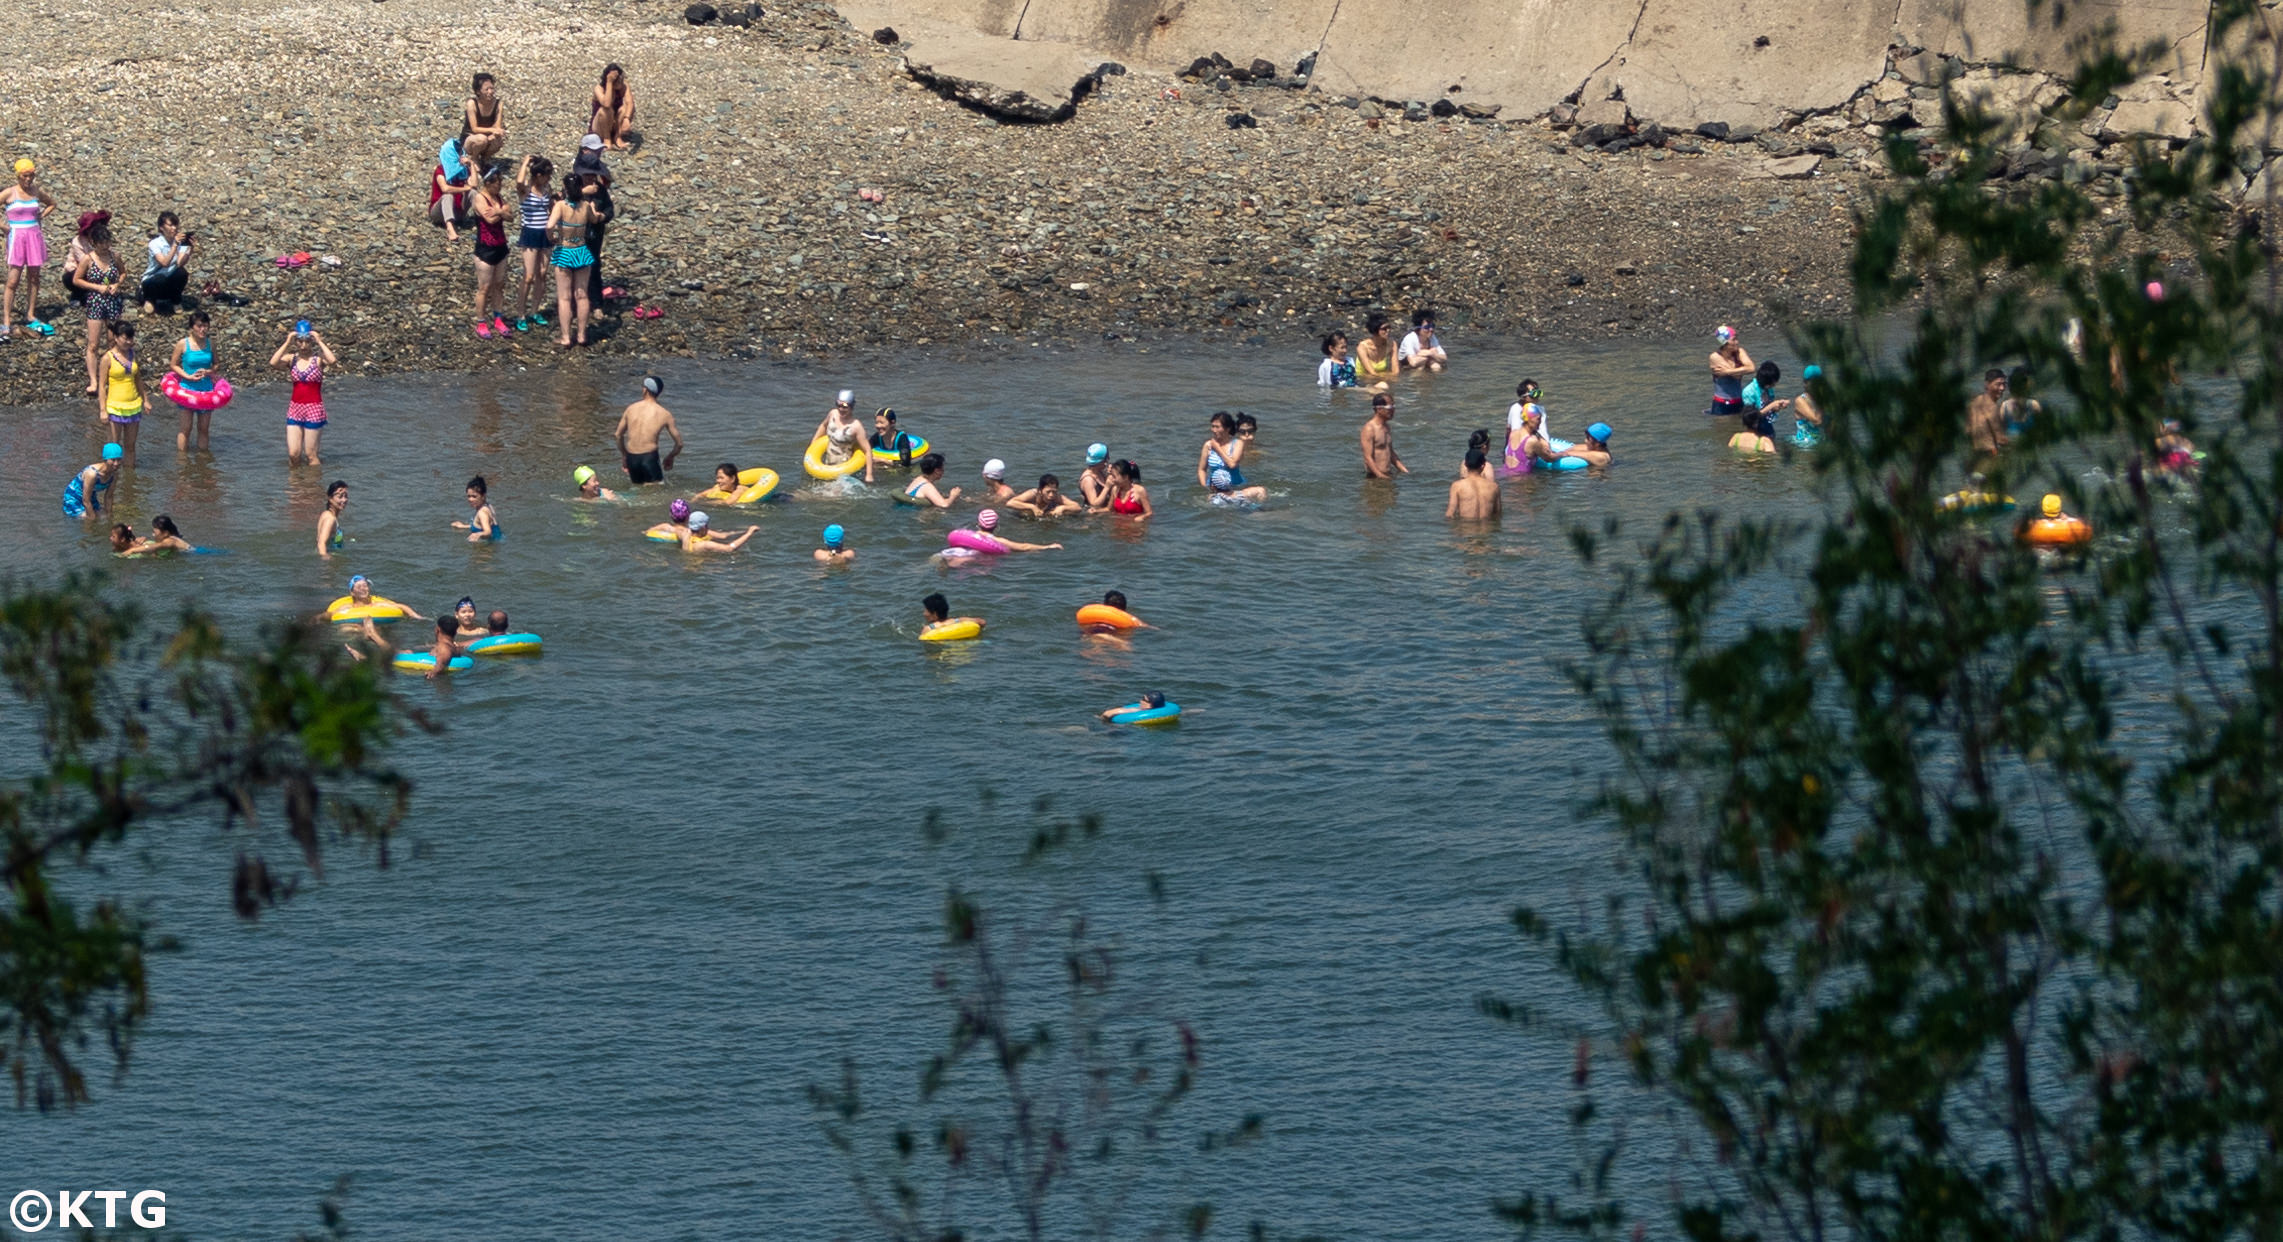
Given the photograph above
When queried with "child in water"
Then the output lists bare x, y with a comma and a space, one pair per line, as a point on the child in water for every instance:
1149, 702
937, 612
1337, 370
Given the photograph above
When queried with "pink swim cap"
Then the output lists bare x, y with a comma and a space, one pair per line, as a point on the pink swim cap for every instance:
988, 519
679, 510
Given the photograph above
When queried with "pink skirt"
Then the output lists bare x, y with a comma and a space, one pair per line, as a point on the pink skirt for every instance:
27, 247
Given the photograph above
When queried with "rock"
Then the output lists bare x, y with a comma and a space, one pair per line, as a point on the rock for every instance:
1200, 68
1612, 112
699, 14
1370, 110
1715, 130
1777, 144
1922, 69
886, 35
1562, 116
736, 16
1242, 120
1443, 107
2152, 118
1107, 69
1653, 135
1026, 83
1685, 146
1797, 167
1480, 112
1262, 70
1743, 131
1306, 69
1416, 110
1596, 135
1574, 281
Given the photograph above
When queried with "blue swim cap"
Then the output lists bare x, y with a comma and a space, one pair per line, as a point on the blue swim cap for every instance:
1811, 371
833, 535
112, 452
354, 579
1221, 480
1599, 431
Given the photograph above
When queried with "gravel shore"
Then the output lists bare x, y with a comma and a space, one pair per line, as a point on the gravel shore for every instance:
315, 127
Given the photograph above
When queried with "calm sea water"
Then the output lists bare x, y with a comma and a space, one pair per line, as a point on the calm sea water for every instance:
669, 874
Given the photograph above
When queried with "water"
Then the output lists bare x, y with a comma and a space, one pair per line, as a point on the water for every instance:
668, 874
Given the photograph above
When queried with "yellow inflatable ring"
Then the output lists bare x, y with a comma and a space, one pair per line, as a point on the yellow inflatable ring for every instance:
347, 611
883, 457
813, 462
663, 532
952, 630
754, 486
2060, 532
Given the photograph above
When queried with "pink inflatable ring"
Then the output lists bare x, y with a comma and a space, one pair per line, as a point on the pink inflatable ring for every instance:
976, 541
192, 399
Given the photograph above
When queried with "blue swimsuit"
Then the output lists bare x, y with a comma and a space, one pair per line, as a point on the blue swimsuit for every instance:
78, 501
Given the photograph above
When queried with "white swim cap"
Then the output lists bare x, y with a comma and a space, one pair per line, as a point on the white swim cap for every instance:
847, 397
994, 469
699, 521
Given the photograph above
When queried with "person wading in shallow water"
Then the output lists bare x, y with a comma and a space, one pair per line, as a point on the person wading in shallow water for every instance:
637, 434
1379, 457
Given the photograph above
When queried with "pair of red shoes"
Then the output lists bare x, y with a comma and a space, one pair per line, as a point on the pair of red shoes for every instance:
648, 312
299, 258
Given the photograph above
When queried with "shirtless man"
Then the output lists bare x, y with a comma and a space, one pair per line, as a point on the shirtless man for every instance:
1379, 458
482, 136
1985, 417
637, 433
1474, 497
1731, 367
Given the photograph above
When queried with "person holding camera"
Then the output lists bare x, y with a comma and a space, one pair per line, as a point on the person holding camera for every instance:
168, 272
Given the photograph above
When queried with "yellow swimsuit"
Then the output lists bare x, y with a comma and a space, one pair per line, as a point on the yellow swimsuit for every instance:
123, 399
1385, 370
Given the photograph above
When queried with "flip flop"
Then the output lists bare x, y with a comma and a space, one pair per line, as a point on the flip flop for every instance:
299, 258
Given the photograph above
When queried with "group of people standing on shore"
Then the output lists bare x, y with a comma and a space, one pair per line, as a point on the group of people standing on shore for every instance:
549, 224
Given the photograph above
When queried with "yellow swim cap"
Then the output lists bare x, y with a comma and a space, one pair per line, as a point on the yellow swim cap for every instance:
2051, 505
23, 166
582, 475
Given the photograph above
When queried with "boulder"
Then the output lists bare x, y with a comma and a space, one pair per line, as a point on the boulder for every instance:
1263, 70
2153, 118
699, 14
1794, 168
1443, 108
886, 35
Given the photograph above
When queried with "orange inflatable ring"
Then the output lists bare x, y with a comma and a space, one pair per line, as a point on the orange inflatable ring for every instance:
1112, 618
2060, 532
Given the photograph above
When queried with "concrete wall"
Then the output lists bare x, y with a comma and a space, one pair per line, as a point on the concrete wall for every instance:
1679, 62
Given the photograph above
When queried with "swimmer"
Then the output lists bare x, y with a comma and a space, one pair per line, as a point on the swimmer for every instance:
1379, 457
1421, 349
2174, 451
1128, 498
1226, 491
1761, 405
1474, 496
1336, 370
725, 485
1985, 423
2019, 409
832, 553
995, 489
637, 435
1527, 445
165, 537
1248, 428
590, 487
361, 594
1596, 449
123, 541
698, 536
83, 496
937, 611
1044, 501
987, 522
465, 621
1094, 480
887, 438
495, 624
1222, 451
1149, 702
330, 536
1807, 417
1731, 366
442, 647
1525, 398
2048, 510
1477, 439
1117, 600
843, 436
923, 490
1375, 355
484, 525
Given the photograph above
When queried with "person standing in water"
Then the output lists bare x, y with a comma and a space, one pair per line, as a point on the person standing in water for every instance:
123, 402
483, 525
1731, 366
1222, 451
1094, 480
330, 535
923, 490
1595, 450
843, 436
1474, 496
637, 435
1807, 418
83, 496
1380, 460
1985, 419
995, 489
1128, 498
194, 382
304, 355
1761, 405
26, 206
1421, 350
832, 553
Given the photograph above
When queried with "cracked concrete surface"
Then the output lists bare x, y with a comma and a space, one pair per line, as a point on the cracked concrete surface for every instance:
1678, 62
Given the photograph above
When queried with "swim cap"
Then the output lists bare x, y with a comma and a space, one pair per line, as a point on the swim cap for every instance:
2156, 291
23, 166
833, 535
886, 411
1096, 454
1221, 480
1155, 698
994, 469
847, 397
2051, 505
301, 327
1599, 431
653, 385
699, 521
1811, 371
583, 475
112, 452
988, 519
466, 601
1724, 334
679, 510
354, 579
1532, 410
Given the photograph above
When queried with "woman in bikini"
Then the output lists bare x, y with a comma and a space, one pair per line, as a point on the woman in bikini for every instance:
610, 114
481, 135
1375, 355
1128, 498
567, 227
